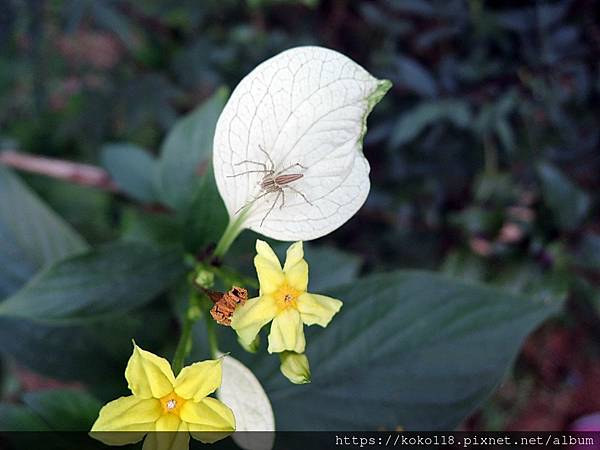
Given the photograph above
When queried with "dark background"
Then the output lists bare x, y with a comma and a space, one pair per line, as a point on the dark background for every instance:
485, 154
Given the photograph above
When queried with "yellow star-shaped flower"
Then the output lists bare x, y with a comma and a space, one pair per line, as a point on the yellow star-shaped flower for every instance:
284, 300
163, 403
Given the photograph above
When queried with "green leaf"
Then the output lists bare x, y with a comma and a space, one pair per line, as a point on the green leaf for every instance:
20, 418
106, 281
411, 75
64, 409
112, 19
207, 217
57, 410
328, 266
92, 353
413, 122
410, 349
568, 203
31, 234
186, 147
150, 227
588, 252
132, 168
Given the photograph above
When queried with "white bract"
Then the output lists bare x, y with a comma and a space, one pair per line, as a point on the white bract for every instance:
304, 109
250, 405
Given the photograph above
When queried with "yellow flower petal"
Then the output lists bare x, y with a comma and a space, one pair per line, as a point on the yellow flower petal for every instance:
247, 320
148, 375
208, 420
287, 332
297, 276
319, 309
295, 254
268, 268
198, 380
126, 420
171, 434
263, 249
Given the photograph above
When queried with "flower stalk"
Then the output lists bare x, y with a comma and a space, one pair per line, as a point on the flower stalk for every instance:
184, 346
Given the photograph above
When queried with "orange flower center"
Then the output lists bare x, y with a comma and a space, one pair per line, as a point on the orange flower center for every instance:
287, 297
172, 403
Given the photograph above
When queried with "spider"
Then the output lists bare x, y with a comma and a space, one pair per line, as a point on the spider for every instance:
272, 181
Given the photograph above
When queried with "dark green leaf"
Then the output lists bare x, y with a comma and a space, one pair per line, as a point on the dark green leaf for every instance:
413, 76
112, 19
106, 281
20, 418
207, 217
132, 168
31, 235
413, 122
64, 409
588, 253
57, 410
185, 148
410, 349
150, 227
93, 353
567, 202
328, 266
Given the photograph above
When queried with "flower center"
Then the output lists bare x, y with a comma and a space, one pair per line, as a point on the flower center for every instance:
172, 403
286, 297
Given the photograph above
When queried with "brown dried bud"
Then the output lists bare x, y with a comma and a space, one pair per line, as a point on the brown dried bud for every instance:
226, 303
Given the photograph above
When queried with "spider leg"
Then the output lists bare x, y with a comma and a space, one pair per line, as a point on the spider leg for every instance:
291, 167
247, 161
250, 202
287, 186
268, 157
282, 199
247, 172
271, 208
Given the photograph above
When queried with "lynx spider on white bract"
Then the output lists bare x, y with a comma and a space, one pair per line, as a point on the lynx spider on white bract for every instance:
272, 181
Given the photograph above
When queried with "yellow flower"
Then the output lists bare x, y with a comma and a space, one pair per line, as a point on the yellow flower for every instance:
161, 402
284, 300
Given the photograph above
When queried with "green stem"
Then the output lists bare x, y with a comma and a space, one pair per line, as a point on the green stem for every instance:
490, 153
211, 332
184, 346
231, 232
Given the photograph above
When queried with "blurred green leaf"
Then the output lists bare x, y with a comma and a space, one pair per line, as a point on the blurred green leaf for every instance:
464, 265
57, 410
568, 203
151, 227
413, 76
20, 418
476, 220
108, 15
329, 266
207, 217
64, 409
265, 3
86, 209
132, 168
396, 354
31, 234
186, 147
497, 188
413, 122
527, 278
91, 353
103, 282
588, 252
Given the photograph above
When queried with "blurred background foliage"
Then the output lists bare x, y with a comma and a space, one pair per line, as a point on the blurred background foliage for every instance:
485, 154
